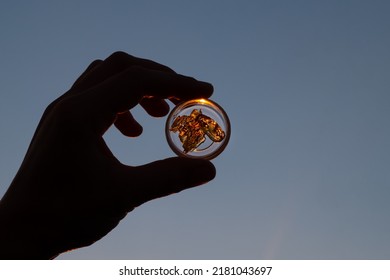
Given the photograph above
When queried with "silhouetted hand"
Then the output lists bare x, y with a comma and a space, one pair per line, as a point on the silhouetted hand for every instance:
70, 190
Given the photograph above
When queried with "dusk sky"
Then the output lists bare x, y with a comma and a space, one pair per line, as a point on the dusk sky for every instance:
306, 174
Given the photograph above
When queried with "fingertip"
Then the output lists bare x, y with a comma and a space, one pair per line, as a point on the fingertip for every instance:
127, 125
204, 167
208, 88
154, 106
204, 89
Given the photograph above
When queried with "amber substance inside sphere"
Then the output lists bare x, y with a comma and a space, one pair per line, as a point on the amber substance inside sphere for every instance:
198, 128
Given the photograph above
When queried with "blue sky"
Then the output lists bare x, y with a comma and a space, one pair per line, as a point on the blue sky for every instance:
306, 174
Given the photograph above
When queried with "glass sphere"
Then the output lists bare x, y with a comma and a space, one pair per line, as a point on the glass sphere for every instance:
198, 128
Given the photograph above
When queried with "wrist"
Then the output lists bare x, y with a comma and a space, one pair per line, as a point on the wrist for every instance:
20, 238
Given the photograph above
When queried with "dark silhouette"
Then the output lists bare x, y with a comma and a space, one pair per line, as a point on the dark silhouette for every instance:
70, 190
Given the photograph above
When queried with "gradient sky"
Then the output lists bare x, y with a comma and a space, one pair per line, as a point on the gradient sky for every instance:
306, 174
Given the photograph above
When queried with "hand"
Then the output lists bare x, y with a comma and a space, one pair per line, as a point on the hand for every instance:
70, 190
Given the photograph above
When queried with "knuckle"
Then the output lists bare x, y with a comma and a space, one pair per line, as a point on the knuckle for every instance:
119, 56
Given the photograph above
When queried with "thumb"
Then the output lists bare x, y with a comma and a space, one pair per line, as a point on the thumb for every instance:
172, 175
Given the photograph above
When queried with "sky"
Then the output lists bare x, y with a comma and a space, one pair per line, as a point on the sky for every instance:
306, 174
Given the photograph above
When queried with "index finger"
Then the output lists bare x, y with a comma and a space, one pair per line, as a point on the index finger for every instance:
124, 90
114, 64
